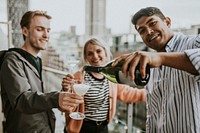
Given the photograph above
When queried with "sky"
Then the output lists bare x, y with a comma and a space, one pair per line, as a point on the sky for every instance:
66, 13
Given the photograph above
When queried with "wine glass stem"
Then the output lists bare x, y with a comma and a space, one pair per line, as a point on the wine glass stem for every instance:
78, 108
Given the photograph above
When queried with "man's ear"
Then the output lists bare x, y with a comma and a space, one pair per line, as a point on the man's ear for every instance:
25, 31
168, 21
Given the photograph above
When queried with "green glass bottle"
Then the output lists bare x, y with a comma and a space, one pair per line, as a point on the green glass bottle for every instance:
114, 74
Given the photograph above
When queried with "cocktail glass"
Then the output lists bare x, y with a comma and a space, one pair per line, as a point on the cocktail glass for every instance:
80, 89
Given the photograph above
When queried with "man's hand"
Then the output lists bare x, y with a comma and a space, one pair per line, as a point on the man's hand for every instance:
69, 101
140, 57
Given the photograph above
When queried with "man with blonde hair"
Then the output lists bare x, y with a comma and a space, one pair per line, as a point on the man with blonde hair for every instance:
27, 108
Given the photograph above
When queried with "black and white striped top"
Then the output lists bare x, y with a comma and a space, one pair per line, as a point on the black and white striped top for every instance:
97, 98
173, 96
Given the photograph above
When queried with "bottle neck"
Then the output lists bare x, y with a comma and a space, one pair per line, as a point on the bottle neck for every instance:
93, 69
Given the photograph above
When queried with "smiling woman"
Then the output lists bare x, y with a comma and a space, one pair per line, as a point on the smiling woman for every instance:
100, 100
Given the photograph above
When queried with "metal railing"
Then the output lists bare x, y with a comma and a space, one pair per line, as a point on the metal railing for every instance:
9, 45
53, 82
9, 24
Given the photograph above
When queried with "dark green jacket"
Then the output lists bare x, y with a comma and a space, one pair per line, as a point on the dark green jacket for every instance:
26, 107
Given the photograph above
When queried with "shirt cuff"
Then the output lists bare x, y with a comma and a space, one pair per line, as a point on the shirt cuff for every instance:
194, 57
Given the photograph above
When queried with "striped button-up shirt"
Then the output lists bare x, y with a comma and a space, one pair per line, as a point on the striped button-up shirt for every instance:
173, 96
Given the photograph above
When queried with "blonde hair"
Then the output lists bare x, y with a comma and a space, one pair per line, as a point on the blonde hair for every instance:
100, 42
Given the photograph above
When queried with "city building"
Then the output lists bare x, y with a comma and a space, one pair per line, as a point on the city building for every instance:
64, 53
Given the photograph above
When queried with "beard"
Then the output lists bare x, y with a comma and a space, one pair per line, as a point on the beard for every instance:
37, 44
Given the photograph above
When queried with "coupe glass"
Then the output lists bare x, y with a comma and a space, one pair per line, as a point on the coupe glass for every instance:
80, 89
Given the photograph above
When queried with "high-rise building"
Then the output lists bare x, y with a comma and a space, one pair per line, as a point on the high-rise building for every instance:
95, 17
16, 8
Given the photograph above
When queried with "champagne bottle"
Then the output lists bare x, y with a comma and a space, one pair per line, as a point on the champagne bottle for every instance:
114, 74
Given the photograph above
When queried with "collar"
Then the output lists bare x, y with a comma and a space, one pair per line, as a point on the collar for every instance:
172, 43
25, 57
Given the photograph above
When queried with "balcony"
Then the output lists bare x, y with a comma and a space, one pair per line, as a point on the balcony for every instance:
129, 118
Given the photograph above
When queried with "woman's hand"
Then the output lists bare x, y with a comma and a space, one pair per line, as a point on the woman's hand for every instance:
67, 83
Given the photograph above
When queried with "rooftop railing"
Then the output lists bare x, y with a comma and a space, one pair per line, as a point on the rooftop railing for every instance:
52, 82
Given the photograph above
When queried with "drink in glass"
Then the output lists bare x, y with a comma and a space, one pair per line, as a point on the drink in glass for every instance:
79, 89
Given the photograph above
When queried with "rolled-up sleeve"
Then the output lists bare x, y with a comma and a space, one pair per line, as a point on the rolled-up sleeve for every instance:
194, 57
